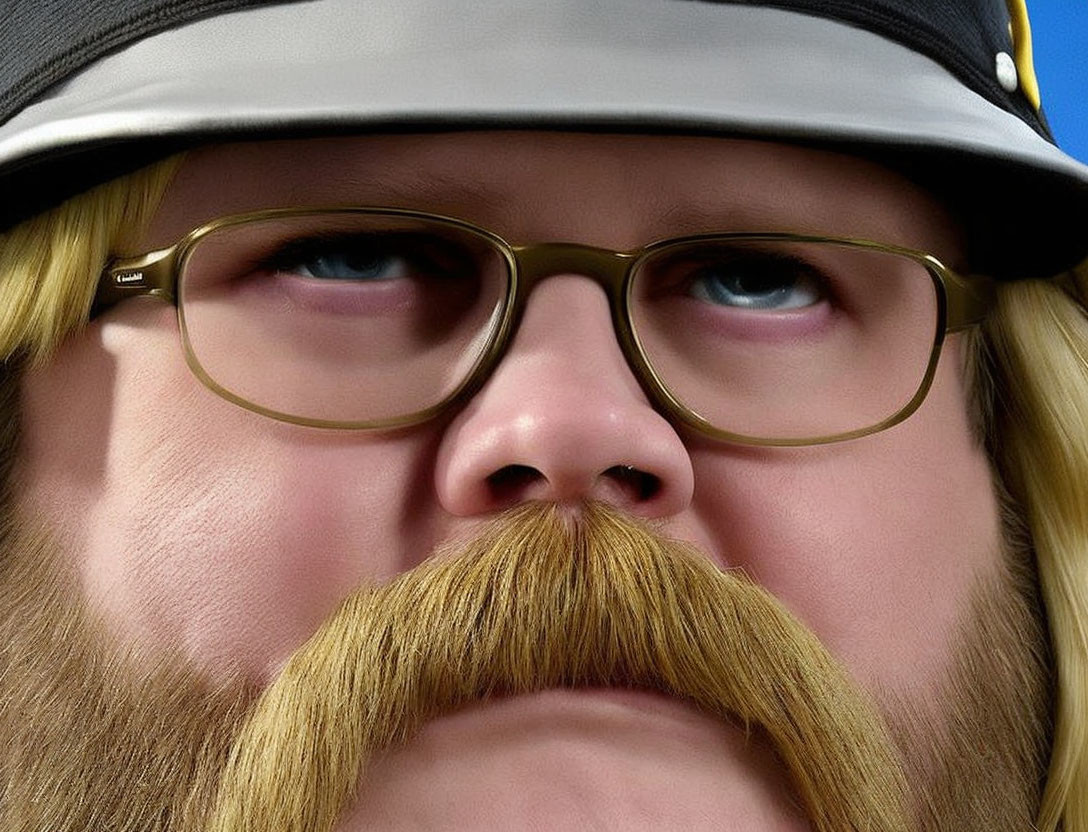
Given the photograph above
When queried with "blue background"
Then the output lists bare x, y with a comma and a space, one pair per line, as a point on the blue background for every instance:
1060, 37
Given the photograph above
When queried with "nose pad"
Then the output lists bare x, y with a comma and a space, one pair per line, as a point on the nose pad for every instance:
563, 419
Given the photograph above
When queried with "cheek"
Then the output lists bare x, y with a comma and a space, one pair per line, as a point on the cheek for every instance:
197, 524
876, 544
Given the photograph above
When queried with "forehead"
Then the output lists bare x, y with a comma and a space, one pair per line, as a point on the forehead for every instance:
583, 187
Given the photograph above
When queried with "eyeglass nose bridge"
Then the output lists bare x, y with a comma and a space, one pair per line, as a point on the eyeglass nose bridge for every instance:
537, 262
611, 270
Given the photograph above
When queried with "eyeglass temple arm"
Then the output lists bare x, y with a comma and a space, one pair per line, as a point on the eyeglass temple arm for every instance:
150, 274
969, 299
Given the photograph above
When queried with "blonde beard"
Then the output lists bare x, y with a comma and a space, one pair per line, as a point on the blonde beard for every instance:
99, 739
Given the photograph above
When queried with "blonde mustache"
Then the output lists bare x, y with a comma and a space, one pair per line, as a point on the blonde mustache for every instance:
538, 601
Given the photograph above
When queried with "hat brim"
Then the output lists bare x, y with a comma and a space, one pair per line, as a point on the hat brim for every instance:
739, 70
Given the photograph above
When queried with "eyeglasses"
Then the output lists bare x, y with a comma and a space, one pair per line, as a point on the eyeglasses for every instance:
379, 318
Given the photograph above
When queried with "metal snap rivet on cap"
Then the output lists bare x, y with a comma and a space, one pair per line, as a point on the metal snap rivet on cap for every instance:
1007, 75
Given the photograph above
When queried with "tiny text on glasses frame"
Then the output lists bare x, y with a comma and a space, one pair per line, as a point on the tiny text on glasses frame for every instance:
961, 301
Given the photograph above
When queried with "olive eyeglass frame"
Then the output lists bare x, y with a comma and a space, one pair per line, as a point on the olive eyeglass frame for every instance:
961, 301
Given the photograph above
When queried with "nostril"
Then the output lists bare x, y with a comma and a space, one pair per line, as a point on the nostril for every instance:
510, 481
624, 483
636, 484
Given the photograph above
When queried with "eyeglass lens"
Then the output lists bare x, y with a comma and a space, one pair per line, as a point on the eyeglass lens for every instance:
341, 317
347, 317
783, 340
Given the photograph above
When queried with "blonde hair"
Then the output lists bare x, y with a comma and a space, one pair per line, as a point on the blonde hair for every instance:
1037, 351
1031, 357
49, 264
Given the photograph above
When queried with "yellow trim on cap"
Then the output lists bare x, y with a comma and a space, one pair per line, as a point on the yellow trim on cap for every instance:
1020, 27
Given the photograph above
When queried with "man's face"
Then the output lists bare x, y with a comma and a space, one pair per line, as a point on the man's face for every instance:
195, 525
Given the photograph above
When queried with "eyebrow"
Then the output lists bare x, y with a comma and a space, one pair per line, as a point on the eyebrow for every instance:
689, 218
429, 188
481, 203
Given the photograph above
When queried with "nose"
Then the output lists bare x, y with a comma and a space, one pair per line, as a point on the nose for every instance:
563, 418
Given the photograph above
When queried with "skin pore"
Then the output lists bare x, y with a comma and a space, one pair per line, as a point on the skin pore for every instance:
193, 526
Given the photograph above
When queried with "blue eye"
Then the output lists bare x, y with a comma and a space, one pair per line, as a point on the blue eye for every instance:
757, 282
354, 265
370, 258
